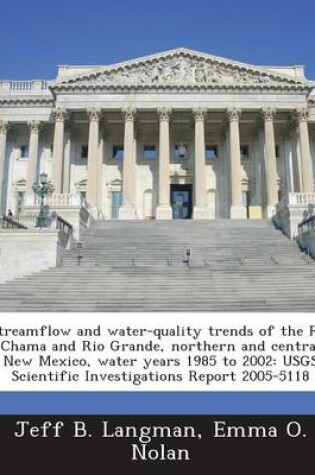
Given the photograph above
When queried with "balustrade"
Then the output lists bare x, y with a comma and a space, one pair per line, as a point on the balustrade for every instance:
24, 87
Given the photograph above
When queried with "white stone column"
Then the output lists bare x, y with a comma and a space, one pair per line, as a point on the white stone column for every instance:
58, 149
306, 160
92, 181
295, 154
99, 168
164, 210
66, 162
288, 163
270, 163
256, 197
201, 210
32, 165
3, 145
237, 211
127, 210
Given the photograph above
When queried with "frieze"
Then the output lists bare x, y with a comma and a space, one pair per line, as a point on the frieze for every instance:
180, 71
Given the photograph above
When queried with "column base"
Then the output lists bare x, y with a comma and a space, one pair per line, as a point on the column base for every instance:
127, 212
270, 211
238, 212
164, 212
202, 212
255, 212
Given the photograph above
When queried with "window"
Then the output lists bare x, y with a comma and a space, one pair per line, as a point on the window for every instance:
118, 152
24, 151
51, 151
211, 152
84, 151
277, 151
149, 152
180, 151
244, 149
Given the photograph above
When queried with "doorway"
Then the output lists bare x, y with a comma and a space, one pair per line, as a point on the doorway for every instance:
116, 203
181, 201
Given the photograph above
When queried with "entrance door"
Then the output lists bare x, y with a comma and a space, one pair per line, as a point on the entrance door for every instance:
116, 203
181, 201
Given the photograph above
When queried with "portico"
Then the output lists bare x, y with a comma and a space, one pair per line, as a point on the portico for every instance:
238, 136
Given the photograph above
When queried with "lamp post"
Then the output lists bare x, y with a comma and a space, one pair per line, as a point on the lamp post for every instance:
43, 189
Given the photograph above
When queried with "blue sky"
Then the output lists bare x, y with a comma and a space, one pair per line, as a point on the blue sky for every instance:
36, 35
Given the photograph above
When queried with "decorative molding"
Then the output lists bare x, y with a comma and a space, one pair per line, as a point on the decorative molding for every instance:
35, 126
129, 113
199, 114
268, 113
4, 127
60, 115
15, 101
94, 114
178, 71
302, 114
164, 113
233, 114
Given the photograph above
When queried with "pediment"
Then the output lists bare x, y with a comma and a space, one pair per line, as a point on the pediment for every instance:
178, 71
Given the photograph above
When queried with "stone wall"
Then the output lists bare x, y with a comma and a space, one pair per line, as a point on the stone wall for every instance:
26, 251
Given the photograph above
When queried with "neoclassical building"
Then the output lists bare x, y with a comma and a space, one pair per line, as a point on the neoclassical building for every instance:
179, 134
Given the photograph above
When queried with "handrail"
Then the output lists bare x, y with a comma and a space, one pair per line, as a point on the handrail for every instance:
8, 222
63, 225
306, 225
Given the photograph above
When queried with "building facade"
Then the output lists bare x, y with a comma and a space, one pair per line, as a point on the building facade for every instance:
175, 135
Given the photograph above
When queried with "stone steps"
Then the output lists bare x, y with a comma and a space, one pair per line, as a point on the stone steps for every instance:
235, 266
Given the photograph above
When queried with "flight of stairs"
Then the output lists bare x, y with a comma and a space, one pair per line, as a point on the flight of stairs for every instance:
235, 265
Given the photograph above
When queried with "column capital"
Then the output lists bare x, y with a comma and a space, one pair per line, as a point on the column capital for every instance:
199, 114
301, 114
94, 114
164, 113
35, 126
60, 115
4, 127
129, 114
233, 114
268, 113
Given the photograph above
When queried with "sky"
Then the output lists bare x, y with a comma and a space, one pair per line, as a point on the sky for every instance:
36, 36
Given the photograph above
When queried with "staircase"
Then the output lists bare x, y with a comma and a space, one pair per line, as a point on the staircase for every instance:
234, 265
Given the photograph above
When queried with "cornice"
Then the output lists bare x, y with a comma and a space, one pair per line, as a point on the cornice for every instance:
229, 89
16, 101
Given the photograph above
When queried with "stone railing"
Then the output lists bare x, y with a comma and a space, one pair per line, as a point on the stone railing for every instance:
56, 200
71, 207
306, 236
303, 199
292, 210
36, 87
